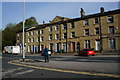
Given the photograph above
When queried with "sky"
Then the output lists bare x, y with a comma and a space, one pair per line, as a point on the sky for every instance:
12, 12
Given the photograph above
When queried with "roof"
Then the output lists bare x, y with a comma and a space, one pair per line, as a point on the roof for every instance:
68, 20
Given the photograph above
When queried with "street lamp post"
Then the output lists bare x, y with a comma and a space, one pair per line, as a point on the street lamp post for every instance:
23, 29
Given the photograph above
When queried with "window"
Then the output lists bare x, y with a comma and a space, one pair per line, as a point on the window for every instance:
29, 39
87, 44
38, 39
41, 38
65, 35
32, 40
111, 30
86, 22
65, 26
97, 31
50, 28
41, 31
37, 32
112, 44
56, 28
110, 19
72, 34
86, 32
72, 25
28, 33
96, 20
56, 36
50, 36
32, 33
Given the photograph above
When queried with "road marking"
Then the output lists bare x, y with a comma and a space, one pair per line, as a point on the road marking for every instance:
10, 71
67, 71
21, 73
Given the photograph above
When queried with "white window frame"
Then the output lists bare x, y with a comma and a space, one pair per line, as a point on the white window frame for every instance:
72, 24
85, 32
112, 31
108, 17
50, 28
113, 43
56, 36
96, 31
72, 34
85, 24
64, 35
95, 20
86, 42
50, 36
56, 28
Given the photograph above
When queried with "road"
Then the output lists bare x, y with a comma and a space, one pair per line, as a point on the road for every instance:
14, 71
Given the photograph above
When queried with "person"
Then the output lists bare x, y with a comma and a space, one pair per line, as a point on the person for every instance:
45, 52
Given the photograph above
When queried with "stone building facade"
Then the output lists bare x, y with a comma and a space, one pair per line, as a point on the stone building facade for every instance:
100, 31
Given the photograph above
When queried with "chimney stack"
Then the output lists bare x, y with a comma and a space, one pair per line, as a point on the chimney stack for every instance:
102, 10
82, 12
43, 22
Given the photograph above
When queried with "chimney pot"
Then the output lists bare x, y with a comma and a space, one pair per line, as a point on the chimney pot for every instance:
102, 10
82, 12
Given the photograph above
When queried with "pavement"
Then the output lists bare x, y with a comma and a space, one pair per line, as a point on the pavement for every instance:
82, 67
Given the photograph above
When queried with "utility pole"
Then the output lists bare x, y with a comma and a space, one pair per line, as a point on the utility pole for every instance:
100, 35
23, 30
66, 38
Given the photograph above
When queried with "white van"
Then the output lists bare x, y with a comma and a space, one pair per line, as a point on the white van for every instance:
12, 49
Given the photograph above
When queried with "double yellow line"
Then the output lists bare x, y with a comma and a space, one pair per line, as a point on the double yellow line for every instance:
66, 71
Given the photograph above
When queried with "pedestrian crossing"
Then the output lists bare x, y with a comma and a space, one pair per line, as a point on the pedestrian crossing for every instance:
12, 73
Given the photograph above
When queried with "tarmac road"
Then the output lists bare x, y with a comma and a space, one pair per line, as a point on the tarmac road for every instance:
15, 71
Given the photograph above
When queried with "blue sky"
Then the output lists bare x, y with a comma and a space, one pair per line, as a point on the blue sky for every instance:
12, 12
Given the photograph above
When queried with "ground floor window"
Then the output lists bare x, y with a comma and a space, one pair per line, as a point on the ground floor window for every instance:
29, 48
87, 44
112, 44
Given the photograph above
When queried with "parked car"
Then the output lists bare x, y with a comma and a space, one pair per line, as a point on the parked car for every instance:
49, 53
87, 52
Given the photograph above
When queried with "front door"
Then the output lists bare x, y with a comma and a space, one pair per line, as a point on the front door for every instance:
97, 45
57, 47
73, 46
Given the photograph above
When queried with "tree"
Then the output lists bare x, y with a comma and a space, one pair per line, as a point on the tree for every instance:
30, 22
9, 33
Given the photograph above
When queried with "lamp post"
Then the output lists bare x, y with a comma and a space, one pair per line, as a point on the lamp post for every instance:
23, 29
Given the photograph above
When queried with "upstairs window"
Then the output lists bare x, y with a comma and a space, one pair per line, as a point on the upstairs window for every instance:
72, 34
97, 31
86, 22
50, 36
96, 20
41, 31
56, 36
72, 25
41, 38
86, 32
32, 33
111, 30
65, 35
56, 28
110, 19
65, 26
50, 28
28, 33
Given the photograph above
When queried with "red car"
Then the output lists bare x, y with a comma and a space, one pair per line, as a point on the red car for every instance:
87, 52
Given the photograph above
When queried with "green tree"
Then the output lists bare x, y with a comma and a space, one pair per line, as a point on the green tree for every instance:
9, 33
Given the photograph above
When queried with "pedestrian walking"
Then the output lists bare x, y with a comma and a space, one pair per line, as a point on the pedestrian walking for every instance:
45, 52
